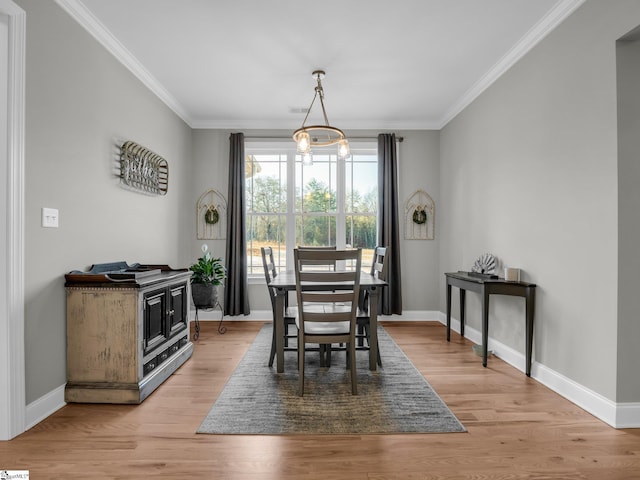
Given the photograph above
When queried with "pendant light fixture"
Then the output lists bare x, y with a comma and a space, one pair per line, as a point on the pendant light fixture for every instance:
307, 137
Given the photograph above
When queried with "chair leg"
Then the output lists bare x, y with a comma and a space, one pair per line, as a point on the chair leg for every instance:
348, 356
352, 355
328, 355
286, 333
273, 345
300, 364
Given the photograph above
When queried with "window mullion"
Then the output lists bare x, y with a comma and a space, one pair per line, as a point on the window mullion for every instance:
291, 207
341, 233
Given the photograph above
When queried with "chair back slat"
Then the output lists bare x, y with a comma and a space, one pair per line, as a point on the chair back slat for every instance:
327, 263
326, 297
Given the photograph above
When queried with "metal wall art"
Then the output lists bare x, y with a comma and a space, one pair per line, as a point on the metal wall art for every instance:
419, 214
211, 216
142, 170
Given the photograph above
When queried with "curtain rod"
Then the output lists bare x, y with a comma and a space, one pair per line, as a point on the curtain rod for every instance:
275, 137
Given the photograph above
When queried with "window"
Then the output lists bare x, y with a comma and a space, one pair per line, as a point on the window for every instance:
331, 202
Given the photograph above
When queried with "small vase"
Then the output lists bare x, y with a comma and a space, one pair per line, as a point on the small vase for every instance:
204, 296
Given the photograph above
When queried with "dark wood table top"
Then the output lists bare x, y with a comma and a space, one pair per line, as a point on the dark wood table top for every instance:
469, 276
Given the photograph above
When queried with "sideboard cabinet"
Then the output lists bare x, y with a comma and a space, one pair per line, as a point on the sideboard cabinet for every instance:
127, 331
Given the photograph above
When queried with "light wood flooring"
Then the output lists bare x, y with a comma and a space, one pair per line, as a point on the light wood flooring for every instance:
517, 428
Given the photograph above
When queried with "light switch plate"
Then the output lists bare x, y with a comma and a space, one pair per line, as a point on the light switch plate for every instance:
50, 217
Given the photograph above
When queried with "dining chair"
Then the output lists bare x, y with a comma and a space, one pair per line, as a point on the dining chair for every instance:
320, 264
270, 272
363, 320
327, 305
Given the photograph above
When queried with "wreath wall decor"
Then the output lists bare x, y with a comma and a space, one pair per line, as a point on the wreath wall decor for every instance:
211, 216
419, 217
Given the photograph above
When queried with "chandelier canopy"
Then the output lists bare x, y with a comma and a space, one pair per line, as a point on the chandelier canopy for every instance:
309, 136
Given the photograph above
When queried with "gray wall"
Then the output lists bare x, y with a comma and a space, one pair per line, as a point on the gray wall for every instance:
529, 173
628, 61
80, 104
418, 169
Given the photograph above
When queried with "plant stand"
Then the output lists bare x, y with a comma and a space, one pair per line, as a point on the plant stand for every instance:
205, 297
221, 328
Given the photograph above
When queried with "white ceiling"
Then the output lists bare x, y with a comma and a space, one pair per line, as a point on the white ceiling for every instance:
389, 64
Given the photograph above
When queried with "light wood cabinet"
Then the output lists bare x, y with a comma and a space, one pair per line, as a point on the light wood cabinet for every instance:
125, 334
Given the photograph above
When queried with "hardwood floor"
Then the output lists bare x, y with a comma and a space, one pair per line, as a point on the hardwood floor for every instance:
517, 428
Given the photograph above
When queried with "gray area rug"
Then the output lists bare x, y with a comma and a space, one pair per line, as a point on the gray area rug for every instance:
394, 399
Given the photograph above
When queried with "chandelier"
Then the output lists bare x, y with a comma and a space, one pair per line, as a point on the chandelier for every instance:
325, 135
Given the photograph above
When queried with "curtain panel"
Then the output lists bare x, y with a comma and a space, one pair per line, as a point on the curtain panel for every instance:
236, 293
389, 221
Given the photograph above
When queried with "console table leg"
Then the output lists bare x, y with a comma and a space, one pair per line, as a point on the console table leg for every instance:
448, 312
530, 307
463, 293
485, 325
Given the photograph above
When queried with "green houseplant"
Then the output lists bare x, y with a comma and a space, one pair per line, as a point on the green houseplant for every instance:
208, 273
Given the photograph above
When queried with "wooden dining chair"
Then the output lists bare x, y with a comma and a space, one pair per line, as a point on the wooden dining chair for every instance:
363, 321
320, 264
270, 272
326, 315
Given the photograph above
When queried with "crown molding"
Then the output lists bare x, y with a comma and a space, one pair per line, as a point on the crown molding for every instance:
540, 30
80, 13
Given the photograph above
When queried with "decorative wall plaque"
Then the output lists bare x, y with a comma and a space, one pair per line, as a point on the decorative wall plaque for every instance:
211, 216
419, 215
143, 170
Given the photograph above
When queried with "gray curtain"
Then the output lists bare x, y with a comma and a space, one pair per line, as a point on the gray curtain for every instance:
389, 221
236, 293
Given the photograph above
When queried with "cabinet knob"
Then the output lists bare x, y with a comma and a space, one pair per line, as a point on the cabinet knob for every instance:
172, 312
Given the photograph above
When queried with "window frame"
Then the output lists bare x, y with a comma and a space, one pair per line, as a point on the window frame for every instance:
288, 149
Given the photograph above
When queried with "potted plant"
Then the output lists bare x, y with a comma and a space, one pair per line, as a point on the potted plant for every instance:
208, 273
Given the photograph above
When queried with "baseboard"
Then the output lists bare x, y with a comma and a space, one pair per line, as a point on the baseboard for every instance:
46, 405
628, 415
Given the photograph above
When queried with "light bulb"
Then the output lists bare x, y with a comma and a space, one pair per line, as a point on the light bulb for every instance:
343, 148
304, 143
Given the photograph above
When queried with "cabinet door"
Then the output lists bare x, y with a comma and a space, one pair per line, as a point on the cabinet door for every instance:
177, 308
155, 314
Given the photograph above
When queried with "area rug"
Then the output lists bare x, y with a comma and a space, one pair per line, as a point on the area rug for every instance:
394, 399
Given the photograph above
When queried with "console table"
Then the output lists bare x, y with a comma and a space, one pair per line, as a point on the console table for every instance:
491, 286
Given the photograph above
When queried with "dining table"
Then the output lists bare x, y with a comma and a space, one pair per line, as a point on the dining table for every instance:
285, 282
